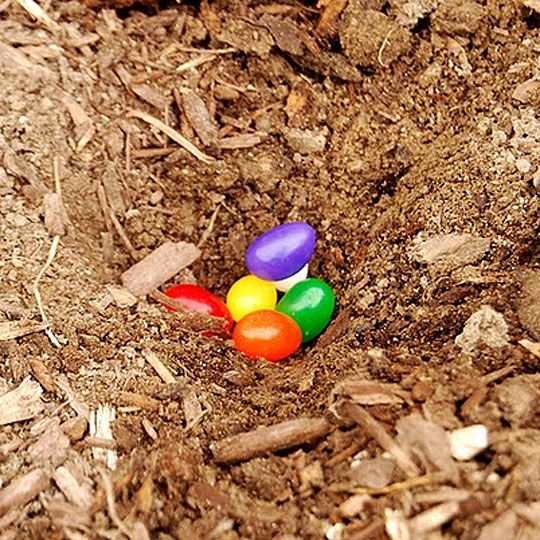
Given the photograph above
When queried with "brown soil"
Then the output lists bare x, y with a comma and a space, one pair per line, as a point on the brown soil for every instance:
383, 124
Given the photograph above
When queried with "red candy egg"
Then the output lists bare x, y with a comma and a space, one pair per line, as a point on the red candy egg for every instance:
200, 300
267, 334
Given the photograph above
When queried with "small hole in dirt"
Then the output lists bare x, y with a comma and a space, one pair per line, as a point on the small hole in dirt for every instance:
532, 21
124, 13
421, 26
485, 458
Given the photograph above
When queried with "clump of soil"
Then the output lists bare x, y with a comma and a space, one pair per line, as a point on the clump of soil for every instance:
405, 133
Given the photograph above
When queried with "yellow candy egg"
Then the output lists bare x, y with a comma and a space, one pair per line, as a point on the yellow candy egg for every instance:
250, 294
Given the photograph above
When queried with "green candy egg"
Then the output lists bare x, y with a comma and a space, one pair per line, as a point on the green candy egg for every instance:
310, 303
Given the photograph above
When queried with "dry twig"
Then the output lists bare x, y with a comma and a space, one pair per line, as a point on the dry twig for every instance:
397, 486
208, 231
111, 505
23, 489
173, 134
375, 430
58, 228
269, 439
160, 368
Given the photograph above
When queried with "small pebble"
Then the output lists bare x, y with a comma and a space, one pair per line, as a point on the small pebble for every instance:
305, 141
523, 165
467, 442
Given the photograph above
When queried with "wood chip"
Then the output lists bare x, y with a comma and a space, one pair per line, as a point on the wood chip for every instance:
18, 167
530, 512
193, 410
352, 506
246, 140
149, 428
55, 214
502, 528
113, 189
34, 9
51, 448
160, 368
445, 494
75, 401
64, 514
173, 134
150, 95
75, 428
366, 392
84, 126
377, 432
138, 400
159, 266
330, 15
122, 297
22, 403
433, 518
41, 372
198, 116
428, 439
23, 489
269, 439
337, 328
15, 329
526, 90
481, 391
532, 346
144, 498
76, 493
450, 251
12, 58
100, 428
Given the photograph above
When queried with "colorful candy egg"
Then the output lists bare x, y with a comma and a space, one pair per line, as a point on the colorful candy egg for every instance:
310, 303
249, 294
200, 300
284, 285
267, 334
281, 251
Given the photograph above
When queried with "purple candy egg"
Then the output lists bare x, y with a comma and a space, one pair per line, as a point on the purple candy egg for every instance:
281, 251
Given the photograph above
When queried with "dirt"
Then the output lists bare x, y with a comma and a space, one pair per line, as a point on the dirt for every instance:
389, 125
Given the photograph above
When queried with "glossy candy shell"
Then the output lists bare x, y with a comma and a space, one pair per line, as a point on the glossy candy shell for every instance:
284, 285
249, 294
200, 300
267, 334
311, 304
281, 251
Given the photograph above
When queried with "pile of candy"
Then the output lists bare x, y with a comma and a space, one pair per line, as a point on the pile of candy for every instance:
265, 328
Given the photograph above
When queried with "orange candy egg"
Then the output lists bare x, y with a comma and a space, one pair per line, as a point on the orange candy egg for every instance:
267, 334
